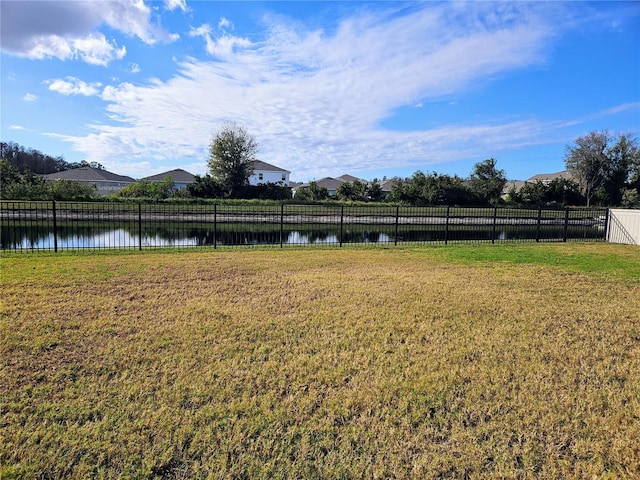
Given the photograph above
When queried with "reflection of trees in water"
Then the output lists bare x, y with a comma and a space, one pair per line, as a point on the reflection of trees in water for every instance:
125, 235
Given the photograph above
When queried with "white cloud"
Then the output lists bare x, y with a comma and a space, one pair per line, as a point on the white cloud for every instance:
134, 68
16, 127
315, 100
224, 23
70, 29
176, 4
29, 97
96, 50
74, 86
222, 46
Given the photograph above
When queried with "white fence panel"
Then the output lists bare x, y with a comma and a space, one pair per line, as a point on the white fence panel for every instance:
624, 226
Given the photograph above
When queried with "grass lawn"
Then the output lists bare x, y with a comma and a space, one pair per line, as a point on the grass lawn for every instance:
466, 361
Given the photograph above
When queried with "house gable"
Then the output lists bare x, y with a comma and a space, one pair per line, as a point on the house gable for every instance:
264, 173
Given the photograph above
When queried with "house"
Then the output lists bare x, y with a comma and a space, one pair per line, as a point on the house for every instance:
264, 172
351, 179
387, 185
104, 181
517, 184
547, 178
331, 184
181, 178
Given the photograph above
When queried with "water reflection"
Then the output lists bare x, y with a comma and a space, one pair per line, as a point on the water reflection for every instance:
105, 236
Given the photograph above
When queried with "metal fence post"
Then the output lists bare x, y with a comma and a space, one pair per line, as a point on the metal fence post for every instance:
446, 227
215, 225
55, 227
281, 224
397, 220
566, 224
607, 212
341, 222
538, 224
495, 219
140, 226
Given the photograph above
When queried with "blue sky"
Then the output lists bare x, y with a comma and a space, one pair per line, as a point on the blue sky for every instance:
371, 89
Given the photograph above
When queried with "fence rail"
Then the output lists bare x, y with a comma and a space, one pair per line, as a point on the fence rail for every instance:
31, 226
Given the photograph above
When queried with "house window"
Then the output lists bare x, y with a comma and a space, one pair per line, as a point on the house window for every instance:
284, 177
260, 176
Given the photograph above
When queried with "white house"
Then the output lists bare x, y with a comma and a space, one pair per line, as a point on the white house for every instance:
265, 173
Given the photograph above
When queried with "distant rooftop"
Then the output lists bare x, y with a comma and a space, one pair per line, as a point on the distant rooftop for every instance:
327, 182
88, 174
351, 179
267, 167
547, 177
177, 175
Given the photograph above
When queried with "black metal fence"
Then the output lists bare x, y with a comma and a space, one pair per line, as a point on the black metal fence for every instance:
30, 226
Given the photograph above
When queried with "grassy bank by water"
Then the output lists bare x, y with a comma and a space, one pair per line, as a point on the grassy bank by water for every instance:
506, 361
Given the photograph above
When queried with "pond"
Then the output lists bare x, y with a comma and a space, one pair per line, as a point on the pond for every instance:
113, 235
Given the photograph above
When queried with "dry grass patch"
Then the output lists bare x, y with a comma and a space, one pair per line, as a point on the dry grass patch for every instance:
400, 363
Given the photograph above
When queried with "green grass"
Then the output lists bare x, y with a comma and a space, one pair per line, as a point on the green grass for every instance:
596, 258
510, 361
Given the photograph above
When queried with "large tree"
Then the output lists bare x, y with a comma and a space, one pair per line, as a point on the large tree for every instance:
601, 164
431, 189
231, 155
487, 181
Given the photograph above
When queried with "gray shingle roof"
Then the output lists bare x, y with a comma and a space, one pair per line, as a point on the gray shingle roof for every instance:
267, 167
327, 182
177, 175
88, 174
351, 178
547, 177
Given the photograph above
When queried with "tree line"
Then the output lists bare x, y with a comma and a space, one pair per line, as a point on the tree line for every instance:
605, 170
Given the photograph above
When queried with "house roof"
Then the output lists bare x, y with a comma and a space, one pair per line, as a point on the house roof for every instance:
517, 184
387, 184
547, 177
259, 165
88, 174
327, 182
177, 175
351, 179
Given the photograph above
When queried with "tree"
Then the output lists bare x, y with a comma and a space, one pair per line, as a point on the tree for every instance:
625, 172
231, 156
312, 193
29, 160
374, 192
84, 163
351, 191
487, 182
205, 187
558, 192
146, 189
602, 165
431, 189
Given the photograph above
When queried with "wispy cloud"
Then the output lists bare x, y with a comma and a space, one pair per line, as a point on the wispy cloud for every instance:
223, 44
316, 99
74, 86
176, 4
29, 97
